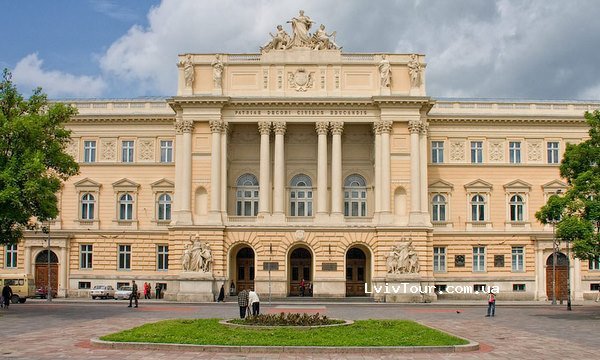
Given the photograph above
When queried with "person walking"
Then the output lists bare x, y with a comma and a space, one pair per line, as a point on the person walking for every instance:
6, 295
491, 304
254, 302
243, 302
158, 289
221, 297
302, 287
146, 290
134, 294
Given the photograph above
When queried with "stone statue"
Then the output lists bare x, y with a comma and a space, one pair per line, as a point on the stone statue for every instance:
218, 67
188, 71
324, 41
385, 71
403, 259
197, 256
300, 27
279, 41
414, 70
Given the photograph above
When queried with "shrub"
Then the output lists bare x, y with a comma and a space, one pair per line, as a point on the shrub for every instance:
288, 319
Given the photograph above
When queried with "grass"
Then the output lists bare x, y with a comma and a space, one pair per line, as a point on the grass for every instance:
361, 333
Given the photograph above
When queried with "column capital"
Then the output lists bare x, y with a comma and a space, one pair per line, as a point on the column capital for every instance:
414, 126
322, 127
224, 127
279, 127
425, 129
383, 126
184, 126
215, 126
337, 127
264, 127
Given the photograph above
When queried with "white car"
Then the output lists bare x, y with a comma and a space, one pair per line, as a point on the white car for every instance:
102, 291
124, 292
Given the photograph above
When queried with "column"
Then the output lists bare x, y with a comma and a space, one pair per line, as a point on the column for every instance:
414, 127
28, 260
264, 127
322, 128
377, 131
336, 170
386, 171
279, 172
183, 171
224, 130
62, 276
215, 171
423, 187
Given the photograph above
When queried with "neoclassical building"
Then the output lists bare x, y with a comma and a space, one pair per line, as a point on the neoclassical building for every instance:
303, 162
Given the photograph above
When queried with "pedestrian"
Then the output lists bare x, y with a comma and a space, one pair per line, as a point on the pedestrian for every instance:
243, 302
491, 304
598, 296
149, 291
302, 287
145, 290
6, 295
134, 294
254, 302
158, 289
221, 294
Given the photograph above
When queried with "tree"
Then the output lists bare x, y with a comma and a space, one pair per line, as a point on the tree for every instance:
577, 212
33, 161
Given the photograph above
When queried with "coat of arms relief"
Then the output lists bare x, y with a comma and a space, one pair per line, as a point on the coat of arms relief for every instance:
301, 79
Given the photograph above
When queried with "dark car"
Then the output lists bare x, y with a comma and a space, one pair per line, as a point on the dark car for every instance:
42, 293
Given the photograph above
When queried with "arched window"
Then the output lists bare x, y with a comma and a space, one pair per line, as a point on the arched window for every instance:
355, 196
164, 207
301, 196
516, 205
126, 207
87, 206
247, 195
438, 208
478, 208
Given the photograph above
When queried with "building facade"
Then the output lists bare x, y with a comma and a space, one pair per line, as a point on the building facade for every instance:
305, 164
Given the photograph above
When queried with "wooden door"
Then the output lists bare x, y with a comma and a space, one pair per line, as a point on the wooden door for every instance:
245, 274
300, 269
561, 283
355, 277
41, 276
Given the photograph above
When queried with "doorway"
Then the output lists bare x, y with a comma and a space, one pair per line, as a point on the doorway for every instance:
356, 272
42, 270
562, 268
300, 269
244, 269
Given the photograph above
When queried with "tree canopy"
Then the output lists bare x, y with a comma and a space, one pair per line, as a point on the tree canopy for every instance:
576, 213
33, 161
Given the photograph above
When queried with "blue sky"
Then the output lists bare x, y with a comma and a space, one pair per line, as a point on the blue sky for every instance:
539, 49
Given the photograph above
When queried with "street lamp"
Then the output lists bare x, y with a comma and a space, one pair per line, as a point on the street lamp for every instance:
46, 230
568, 278
555, 245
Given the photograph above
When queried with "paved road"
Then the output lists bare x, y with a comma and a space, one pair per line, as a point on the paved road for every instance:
37, 330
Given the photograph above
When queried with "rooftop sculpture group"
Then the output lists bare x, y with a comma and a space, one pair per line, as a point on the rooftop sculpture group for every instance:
301, 37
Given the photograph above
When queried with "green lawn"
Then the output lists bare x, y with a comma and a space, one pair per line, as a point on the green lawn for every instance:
361, 333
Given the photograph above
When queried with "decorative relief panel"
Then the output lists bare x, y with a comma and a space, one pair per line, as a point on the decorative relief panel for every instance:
146, 152
457, 151
301, 137
534, 151
496, 152
72, 148
301, 79
108, 149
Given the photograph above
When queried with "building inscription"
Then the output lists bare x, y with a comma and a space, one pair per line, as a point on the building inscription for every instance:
302, 112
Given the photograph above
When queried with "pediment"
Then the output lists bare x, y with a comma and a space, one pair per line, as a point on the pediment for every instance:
163, 184
441, 185
518, 184
125, 183
87, 182
554, 185
479, 185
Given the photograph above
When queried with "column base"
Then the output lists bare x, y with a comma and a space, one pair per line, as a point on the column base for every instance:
263, 217
182, 217
337, 218
322, 218
418, 219
214, 217
278, 218
386, 217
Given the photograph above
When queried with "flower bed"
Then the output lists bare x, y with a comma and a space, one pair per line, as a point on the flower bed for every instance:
287, 319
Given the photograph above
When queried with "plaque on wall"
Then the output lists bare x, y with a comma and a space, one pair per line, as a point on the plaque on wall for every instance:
459, 260
329, 266
498, 260
270, 266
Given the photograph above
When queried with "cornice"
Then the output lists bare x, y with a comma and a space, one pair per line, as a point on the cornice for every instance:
492, 118
129, 119
201, 100
305, 101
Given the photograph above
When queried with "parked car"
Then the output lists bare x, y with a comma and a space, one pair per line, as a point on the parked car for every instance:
124, 292
102, 291
42, 292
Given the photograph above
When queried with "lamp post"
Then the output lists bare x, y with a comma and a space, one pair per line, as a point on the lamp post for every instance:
568, 278
270, 265
554, 255
46, 230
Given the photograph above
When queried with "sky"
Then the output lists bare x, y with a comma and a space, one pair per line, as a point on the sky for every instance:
546, 49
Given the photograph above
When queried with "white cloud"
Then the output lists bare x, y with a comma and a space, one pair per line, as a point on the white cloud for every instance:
28, 73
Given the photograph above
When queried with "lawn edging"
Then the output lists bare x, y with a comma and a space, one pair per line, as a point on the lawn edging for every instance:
227, 322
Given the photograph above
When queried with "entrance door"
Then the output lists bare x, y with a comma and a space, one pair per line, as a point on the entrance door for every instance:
300, 269
561, 277
42, 270
356, 264
244, 276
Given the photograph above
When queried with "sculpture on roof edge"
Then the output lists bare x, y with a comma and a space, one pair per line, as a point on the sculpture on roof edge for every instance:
217, 65
385, 71
188, 70
301, 37
414, 70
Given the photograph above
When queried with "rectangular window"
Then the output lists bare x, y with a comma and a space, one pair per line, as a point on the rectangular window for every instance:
162, 261
476, 152
518, 258
437, 152
439, 259
166, 151
124, 257
11, 256
553, 152
518, 287
479, 258
514, 152
89, 151
84, 285
127, 151
595, 287
85, 256
595, 263
479, 287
